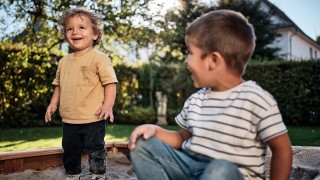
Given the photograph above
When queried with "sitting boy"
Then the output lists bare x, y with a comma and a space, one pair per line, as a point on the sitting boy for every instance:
227, 126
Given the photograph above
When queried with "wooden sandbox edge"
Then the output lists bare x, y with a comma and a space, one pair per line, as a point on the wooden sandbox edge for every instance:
11, 162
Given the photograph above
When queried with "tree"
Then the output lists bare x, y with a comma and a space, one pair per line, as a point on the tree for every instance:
262, 23
318, 40
177, 20
123, 22
174, 26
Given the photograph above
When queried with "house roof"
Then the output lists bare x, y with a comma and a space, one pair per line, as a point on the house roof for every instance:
286, 22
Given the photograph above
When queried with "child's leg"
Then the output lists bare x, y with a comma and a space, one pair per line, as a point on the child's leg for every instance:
73, 147
221, 170
94, 144
152, 159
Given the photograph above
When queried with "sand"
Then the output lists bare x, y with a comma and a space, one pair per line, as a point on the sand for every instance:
306, 166
118, 167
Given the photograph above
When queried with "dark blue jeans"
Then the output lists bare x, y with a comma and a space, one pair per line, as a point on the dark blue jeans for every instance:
152, 159
78, 138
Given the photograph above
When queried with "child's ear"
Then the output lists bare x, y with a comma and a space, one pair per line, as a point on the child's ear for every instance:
215, 60
95, 37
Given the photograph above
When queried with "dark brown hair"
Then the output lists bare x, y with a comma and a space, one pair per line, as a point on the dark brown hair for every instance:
95, 19
227, 32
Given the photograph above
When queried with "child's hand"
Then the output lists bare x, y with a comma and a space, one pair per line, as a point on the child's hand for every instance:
105, 113
50, 110
146, 131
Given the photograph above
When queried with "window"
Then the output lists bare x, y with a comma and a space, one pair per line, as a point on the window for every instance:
311, 53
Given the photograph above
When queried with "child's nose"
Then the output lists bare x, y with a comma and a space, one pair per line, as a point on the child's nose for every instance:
75, 31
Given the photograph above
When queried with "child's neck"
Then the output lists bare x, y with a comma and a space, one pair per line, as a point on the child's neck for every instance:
81, 52
229, 84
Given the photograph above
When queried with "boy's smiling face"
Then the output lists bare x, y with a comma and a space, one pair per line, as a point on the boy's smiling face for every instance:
209, 70
79, 32
197, 65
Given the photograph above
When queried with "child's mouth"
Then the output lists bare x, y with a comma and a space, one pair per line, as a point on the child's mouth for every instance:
77, 39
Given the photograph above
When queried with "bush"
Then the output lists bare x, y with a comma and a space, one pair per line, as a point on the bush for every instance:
136, 115
295, 86
26, 74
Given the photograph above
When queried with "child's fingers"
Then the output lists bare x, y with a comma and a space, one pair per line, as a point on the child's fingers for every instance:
131, 144
49, 112
132, 141
111, 117
148, 134
47, 117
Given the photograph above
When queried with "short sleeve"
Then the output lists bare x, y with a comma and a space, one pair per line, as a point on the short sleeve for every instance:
181, 118
271, 125
106, 71
56, 80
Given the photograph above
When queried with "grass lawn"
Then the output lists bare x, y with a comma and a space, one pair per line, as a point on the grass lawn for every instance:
46, 137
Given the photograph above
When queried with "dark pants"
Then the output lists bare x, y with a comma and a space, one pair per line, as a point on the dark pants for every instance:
78, 138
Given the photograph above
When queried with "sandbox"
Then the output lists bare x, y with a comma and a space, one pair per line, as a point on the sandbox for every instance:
47, 164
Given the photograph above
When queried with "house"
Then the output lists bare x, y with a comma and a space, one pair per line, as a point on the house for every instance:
294, 44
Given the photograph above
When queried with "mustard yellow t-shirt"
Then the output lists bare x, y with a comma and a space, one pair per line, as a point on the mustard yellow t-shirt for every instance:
81, 79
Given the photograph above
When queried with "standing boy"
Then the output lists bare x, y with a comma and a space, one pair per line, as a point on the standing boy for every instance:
227, 126
85, 90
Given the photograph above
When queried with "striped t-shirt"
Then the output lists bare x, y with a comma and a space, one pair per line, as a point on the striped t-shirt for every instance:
233, 125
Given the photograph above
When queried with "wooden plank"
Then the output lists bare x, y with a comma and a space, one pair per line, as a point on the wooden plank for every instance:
43, 162
14, 165
45, 158
30, 153
120, 144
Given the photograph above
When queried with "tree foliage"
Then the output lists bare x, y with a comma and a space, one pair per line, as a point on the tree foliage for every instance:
174, 26
262, 23
178, 19
24, 74
124, 23
318, 40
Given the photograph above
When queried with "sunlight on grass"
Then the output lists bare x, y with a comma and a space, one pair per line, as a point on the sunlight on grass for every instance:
49, 137
21, 145
110, 138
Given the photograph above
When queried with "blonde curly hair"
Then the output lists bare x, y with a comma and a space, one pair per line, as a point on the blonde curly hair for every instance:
95, 19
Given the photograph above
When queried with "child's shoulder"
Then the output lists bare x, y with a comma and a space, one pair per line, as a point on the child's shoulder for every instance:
254, 87
249, 90
256, 91
98, 52
64, 58
99, 55
200, 93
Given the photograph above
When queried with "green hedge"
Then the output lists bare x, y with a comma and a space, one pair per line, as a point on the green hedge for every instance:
27, 72
295, 85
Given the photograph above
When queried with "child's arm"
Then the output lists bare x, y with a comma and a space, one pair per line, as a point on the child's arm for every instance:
53, 104
172, 138
105, 110
281, 160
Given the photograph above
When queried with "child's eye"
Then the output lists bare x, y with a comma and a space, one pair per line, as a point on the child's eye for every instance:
188, 52
69, 29
82, 27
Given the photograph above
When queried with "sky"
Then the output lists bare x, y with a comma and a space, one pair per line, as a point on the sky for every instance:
304, 13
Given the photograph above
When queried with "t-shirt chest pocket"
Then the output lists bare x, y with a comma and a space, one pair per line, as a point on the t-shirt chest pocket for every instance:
88, 76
